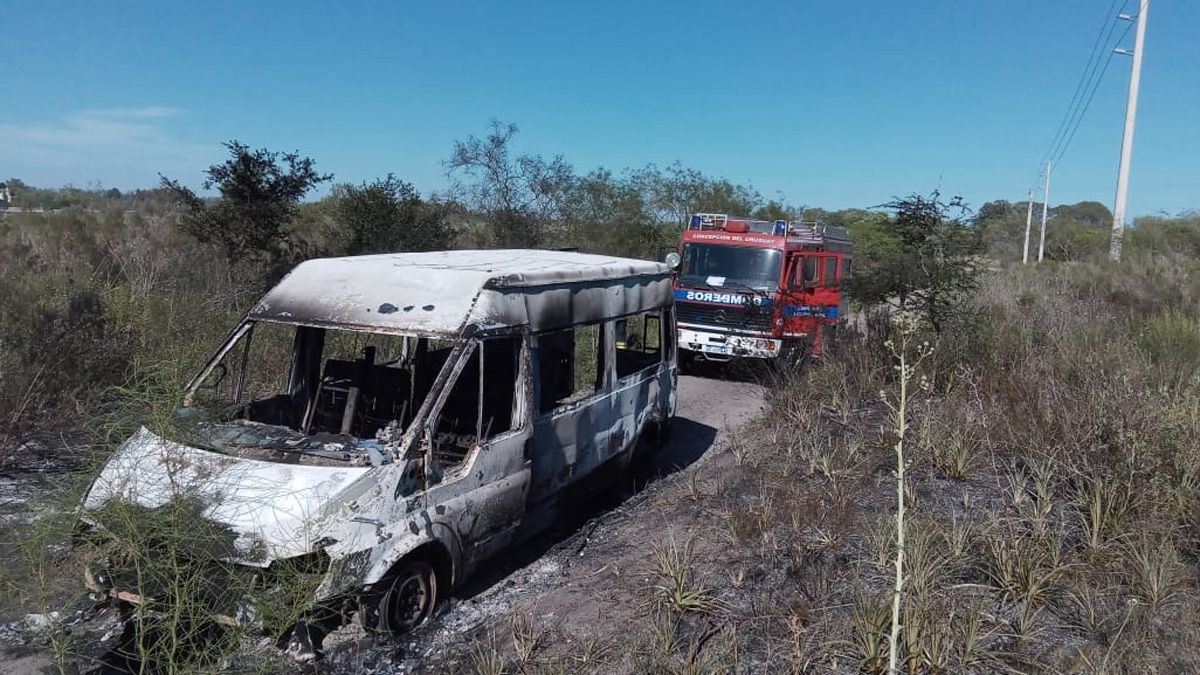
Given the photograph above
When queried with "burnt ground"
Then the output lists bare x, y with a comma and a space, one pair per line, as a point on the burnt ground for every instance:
560, 577
568, 580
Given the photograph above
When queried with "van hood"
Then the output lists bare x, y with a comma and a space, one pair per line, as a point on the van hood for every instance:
273, 510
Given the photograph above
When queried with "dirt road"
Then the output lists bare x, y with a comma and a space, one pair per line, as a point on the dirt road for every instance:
567, 582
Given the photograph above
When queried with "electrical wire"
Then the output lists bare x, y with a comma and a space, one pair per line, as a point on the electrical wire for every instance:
1092, 77
1084, 78
1083, 111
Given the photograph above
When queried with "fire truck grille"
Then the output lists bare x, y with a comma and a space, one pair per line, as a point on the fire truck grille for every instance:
737, 318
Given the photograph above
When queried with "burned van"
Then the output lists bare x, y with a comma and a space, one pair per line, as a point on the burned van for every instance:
394, 420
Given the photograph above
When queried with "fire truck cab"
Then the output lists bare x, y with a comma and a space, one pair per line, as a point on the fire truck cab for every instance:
757, 288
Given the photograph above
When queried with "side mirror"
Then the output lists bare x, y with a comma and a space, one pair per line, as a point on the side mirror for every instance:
672, 260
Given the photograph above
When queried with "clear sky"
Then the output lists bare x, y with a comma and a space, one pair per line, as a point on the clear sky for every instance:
837, 104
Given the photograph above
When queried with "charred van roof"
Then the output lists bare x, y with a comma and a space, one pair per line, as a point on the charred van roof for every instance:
443, 292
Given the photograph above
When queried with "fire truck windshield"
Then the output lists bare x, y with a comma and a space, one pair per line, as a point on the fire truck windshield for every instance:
755, 267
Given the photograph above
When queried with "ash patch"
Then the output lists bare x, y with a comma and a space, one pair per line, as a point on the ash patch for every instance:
31, 469
80, 636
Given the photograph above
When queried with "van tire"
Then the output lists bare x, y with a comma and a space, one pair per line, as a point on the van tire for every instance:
662, 433
405, 599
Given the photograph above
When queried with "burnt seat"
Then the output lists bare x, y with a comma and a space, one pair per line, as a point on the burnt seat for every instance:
383, 393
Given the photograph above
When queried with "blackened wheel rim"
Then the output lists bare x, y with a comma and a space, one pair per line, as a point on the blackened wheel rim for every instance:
410, 598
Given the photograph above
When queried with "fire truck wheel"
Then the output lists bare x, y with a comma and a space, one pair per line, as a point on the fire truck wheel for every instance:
829, 339
686, 362
792, 358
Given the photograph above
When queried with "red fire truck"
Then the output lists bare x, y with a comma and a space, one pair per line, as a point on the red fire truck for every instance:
758, 288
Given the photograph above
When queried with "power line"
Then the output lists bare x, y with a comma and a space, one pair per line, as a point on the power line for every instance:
1081, 100
1069, 122
1089, 70
1095, 87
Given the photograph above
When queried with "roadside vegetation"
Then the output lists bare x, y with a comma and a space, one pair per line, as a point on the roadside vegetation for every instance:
1050, 488
1046, 437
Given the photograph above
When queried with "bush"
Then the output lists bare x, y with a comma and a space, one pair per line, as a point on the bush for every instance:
1177, 237
86, 300
926, 260
1172, 340
387, 216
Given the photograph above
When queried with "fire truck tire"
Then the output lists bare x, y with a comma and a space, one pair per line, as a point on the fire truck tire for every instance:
793, 356
686, 361
829, 339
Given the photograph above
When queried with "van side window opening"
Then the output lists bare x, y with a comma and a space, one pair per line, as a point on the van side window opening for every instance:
480, 403
638, 341
254, 379
571, 365
831, 266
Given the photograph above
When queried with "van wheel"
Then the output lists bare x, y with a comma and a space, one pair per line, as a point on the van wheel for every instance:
406, 602
662, 433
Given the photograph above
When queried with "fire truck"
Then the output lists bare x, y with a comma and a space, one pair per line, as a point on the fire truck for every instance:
758, 289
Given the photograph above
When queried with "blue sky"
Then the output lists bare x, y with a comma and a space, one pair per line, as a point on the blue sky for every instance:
834, 104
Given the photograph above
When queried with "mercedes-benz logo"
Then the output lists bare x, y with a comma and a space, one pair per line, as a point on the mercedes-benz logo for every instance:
720, 316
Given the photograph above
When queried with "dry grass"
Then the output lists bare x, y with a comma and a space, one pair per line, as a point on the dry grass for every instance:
675, 588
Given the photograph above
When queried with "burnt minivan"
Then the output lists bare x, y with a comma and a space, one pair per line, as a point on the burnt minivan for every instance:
401, 418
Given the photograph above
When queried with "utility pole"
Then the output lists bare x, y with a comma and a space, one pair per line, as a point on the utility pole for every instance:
1045, 206
1135, 75
1028, 225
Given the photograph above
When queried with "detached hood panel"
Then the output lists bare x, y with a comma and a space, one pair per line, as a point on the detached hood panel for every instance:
273, 509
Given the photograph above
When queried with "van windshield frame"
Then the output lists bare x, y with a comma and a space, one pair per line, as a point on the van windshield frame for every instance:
344, 385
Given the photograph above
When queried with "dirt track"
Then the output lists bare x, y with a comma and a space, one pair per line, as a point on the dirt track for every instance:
578, 582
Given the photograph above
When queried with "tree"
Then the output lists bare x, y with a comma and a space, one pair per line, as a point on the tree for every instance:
674, 193
1166, 236
520, 195
775, 210
1092, 213
388, 215
604, 213
1001, 225
1069, 240
530, 200
259, 191
926, 260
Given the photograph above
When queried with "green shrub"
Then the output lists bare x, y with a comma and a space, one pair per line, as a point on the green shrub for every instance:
1172, 341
